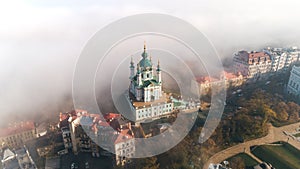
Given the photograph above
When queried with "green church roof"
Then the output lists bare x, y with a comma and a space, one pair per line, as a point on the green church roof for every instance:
149, 82
145, 62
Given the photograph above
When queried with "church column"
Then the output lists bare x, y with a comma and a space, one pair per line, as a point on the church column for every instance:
139, 76
146, 95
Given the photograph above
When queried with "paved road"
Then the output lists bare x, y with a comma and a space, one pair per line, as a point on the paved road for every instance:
274, 135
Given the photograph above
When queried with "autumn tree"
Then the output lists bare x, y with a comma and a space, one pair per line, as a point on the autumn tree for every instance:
237, 163
293, 111
146, 163
281, 110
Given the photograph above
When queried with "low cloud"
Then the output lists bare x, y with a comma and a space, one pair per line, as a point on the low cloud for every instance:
40, 41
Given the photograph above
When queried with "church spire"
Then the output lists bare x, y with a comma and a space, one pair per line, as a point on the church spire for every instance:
131, 68
131, 63
144, 54
158, 66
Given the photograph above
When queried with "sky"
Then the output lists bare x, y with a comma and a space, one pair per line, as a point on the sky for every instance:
40, 41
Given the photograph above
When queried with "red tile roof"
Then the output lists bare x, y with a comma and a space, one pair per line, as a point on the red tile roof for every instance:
229, 75
123, 136
111, 116
254, 57
17, 128
206, 79
107, 120
97, 119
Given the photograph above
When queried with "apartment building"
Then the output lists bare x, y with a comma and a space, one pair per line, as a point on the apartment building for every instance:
253, 64
205, 83
15, 135
97, 134
282, 58
293, 86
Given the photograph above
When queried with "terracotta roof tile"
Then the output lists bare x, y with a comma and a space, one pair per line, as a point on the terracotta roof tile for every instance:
253, 57
206, 79
17, 128
123, 136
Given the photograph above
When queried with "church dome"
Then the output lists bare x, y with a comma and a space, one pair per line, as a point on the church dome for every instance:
145, 62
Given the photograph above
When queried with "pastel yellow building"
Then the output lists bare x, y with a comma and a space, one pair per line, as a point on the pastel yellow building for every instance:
16, 135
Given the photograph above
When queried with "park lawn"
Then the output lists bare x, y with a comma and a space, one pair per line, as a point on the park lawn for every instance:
249, 161
297, 135
282, 156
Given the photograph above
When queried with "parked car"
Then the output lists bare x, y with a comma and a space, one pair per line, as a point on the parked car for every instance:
74, 166
87, 166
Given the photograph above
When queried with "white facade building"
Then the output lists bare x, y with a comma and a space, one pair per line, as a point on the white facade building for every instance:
124, 147
252, 65
294, 53
261, 64
280, 61
293, 86
282, 58
146, 97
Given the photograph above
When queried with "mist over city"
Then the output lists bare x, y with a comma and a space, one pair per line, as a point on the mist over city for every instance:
42, 41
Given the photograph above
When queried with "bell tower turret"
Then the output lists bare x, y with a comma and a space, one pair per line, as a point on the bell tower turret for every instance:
131, 69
